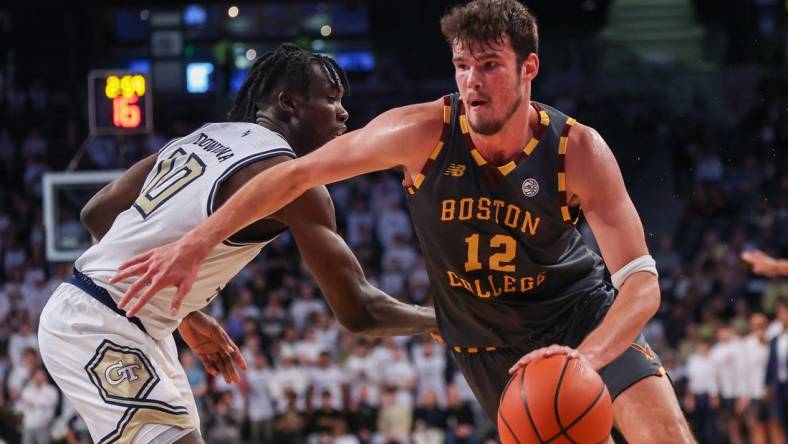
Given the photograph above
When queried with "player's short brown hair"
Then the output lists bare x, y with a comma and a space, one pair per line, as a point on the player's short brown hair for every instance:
485, 21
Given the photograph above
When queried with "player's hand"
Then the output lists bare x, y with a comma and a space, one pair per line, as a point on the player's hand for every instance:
544, 352
217, 351
761, 262
171, 265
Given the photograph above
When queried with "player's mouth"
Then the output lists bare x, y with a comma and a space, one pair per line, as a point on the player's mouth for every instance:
340, 131
478, 103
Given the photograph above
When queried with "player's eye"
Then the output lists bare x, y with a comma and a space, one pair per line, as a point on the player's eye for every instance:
490, 65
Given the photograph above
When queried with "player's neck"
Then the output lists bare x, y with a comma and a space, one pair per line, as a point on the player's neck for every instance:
274, 125
500, 147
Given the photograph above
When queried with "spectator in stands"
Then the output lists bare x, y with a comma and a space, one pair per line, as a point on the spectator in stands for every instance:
223, 425
196, 376
429, 361
327, 378
37, 404
752, 377
777, 372
290, 424
429, 420
394, 417
20, 374
702, 397
725, 355
260, 401
460, 422
364, 415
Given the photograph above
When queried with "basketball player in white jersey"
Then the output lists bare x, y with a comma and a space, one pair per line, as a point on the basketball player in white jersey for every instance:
122, 374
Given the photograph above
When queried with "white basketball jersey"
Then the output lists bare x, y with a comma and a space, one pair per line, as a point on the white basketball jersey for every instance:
178, 194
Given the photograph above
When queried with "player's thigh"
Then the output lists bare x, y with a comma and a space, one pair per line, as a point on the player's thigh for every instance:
191, 438
648, 412
109, 370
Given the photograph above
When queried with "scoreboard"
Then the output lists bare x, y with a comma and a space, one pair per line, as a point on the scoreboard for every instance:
119, 102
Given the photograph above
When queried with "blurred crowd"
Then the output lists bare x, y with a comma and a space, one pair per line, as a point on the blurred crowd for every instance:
721, 331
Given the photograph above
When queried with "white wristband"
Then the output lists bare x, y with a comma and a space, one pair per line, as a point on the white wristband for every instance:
643, 263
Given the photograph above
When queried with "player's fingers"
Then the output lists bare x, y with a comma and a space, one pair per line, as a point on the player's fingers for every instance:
136, 260
155, 286
239, 360
207, 361
135, 288
228, 369
135, 270
183, 290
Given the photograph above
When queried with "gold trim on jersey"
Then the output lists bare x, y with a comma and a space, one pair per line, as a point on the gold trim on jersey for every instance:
419, 179
566, 215
544, 122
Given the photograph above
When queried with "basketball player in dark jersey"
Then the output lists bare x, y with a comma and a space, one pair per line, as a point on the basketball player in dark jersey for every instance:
495, 183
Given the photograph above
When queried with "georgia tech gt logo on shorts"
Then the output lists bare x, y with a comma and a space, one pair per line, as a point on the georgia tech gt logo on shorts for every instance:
122, 374
122, 371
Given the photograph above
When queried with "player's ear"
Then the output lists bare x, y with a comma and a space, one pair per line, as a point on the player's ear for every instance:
287, 102
530, 67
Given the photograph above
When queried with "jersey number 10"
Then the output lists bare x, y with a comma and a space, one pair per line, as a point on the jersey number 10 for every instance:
168, 181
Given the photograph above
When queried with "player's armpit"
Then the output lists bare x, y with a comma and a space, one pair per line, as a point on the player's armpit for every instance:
359, 307
117, 196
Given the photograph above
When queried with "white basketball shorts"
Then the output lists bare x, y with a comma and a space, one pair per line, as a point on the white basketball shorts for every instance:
128, 387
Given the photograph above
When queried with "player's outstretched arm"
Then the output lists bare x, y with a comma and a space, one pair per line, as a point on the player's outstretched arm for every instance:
359, 307
117, 196
764, 264
392, 139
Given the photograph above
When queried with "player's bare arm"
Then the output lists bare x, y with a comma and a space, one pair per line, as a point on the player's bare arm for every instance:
595, 183
402, 137
764, 264
359, 307
117, 196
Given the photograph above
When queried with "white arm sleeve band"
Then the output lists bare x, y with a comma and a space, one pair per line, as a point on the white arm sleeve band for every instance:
643, 263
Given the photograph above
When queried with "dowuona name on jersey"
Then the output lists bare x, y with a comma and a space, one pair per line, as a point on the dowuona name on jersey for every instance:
210, 145
505, 214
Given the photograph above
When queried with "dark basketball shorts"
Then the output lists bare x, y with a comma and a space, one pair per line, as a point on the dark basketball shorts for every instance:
487, 372
758, 410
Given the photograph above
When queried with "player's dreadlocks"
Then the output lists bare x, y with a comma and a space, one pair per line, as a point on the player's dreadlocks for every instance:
288, 65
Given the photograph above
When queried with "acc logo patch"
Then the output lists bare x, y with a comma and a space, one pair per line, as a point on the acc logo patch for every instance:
530, 187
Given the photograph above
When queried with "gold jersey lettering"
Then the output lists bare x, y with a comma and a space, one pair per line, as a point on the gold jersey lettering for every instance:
512, 214
498, 204
447, 209
483, 212
466, 208
496, 285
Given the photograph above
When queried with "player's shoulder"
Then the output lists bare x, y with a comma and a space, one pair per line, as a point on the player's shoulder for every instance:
416, 121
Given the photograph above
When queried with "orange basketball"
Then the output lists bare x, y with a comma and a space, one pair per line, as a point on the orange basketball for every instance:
555, 400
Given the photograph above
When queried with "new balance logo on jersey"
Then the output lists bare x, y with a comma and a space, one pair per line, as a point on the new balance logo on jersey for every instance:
454, 170
222, 152
117, 373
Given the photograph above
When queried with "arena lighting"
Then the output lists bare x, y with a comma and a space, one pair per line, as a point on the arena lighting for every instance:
233, 11
251, 54
144, 15
325, 30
